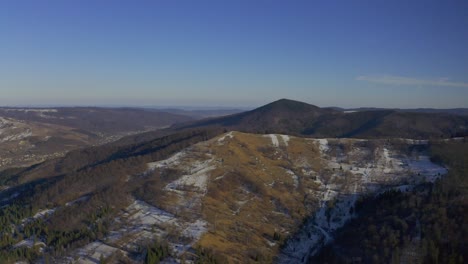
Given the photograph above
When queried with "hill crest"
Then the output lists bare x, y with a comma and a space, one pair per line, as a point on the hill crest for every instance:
291, 117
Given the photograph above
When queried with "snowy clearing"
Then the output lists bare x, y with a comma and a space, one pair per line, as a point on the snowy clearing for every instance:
92, 253
142, 221
198, 177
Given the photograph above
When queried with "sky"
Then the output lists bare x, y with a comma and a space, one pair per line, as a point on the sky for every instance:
239, 53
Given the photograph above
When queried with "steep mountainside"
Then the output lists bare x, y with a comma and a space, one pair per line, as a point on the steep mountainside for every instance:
301, 119
425, 225
235, 197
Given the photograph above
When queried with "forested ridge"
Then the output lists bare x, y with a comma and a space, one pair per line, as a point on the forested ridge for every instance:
301, 119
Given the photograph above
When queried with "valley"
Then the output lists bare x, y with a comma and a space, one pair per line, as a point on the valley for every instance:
32, 135
26, 143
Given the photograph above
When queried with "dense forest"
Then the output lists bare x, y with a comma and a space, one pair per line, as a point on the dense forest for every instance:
301, 119
426, 225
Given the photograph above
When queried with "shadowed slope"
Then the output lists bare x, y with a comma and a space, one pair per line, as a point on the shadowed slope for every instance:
301, 119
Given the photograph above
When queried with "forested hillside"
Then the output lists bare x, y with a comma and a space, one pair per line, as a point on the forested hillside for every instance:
81, 192
301, 119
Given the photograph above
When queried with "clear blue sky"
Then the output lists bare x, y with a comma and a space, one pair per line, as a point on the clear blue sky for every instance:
234, 53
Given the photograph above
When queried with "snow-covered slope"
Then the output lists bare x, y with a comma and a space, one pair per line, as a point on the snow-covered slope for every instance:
384, 168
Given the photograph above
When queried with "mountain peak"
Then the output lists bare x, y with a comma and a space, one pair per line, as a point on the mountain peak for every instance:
288, 105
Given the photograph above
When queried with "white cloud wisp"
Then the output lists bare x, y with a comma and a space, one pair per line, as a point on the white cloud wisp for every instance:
399, 80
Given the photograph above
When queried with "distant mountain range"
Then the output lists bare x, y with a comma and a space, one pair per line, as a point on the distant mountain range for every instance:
301, 119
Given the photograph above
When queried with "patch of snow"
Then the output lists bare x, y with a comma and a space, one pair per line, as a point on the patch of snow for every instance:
172, 161
140, 221
220, 177
350, 111
29, 243
270, 184
285, 139
274, 139
44, 213
39, 214
19, 136
227, 135
146, 215
25, 243
323, 144
416, 141
386, 155
270, 243
198, 177
196, 229
4, 123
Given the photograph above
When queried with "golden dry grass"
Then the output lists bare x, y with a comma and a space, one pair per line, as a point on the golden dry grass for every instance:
254, 196
259, 194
